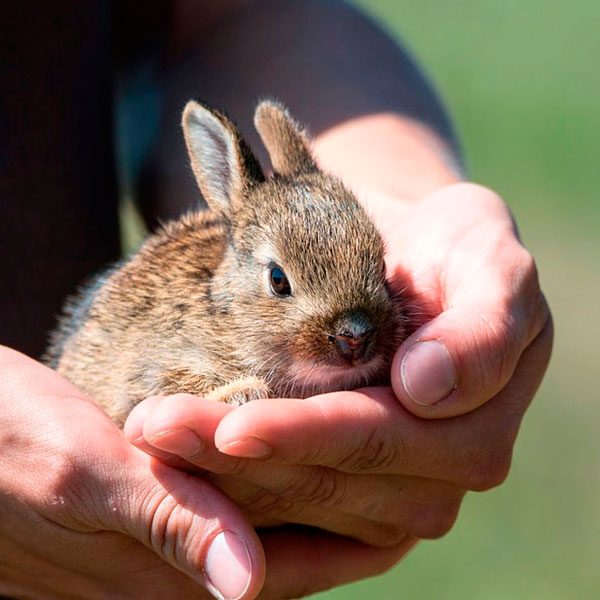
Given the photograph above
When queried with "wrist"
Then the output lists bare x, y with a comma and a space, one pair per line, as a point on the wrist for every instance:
388, 155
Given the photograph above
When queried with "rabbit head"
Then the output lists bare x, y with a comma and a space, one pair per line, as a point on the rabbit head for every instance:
302, 281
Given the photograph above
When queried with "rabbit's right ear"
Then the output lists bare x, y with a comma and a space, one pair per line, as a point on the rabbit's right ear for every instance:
222, 162
284, 139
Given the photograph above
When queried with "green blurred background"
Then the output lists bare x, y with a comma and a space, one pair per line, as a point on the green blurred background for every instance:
522, 81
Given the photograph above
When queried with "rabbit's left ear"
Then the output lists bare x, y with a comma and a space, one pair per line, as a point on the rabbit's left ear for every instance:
284, 139
222, 162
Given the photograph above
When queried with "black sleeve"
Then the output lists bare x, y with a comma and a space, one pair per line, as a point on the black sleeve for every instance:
58, 193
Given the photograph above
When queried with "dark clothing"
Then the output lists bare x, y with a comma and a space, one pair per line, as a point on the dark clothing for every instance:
58, 66
58, 188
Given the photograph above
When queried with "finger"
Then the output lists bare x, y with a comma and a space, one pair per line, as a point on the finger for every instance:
362, 432
179, 430
328, 561
285, 484
304, 494
133, 430
264, 507
133, 427
368, 431
186, 521
172, 440
93, 481
375, 509
468, 353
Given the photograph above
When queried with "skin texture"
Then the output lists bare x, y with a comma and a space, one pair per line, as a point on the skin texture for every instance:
387, 117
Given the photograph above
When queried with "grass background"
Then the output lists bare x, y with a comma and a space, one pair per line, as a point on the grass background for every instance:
521, 79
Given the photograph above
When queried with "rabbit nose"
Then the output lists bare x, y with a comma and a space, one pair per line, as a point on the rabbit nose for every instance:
352, 348
353, 335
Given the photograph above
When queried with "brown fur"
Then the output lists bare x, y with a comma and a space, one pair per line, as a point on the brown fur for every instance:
192, 311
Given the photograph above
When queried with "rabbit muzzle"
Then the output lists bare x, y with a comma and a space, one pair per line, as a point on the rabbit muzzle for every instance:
353, 338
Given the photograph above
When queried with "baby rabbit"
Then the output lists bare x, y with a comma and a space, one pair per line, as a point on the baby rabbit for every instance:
278, 290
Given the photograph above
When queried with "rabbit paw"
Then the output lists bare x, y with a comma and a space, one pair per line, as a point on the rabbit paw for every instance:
240, 391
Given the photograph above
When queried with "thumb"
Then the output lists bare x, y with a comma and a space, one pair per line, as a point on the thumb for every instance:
77, 470
467, 354
189, 524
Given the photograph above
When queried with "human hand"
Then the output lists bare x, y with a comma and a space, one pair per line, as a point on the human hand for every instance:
359, 463
84, 514
457, 255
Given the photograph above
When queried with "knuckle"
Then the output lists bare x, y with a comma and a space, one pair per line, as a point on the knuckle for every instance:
534, 308
496, 351
177, 399
528, 273
539, 313
264, 504
160, 509
385, 535
323, 487
167, 522
435, 522
375, 454
526, 266
383, 566
233, 466
491, 467
520, 313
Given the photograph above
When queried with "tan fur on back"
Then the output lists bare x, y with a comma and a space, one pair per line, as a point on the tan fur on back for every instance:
147, 330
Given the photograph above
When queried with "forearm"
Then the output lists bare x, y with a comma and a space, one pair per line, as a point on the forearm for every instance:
377, 121
387, 155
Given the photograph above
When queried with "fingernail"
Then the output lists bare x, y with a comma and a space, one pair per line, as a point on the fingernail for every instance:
227, 566
248, 447
183, 442
138, 441
427, 372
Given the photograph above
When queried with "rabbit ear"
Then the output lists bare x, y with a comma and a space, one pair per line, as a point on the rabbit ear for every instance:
284, 139
221, 160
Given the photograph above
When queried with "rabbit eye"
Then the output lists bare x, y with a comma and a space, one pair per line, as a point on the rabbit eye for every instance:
278, 281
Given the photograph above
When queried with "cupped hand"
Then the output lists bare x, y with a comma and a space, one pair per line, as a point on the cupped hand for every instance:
86, 515
457, 258
379, 466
